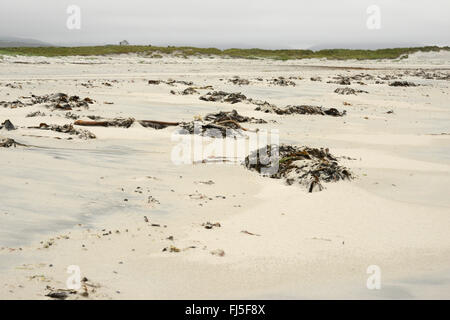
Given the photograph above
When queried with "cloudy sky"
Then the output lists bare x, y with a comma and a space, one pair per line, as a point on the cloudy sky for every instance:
231, 23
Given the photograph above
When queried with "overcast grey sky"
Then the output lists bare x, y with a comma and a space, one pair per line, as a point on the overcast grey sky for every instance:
230, 23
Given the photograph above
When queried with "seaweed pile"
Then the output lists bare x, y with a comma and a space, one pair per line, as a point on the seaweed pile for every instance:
170, 82
186, 92
67, 128
230, 116
387, 77
347, 91
302, 109
222, 96
428, 75
402, 84
7, 143
239, 81
219, 124
308, 167
346, 80
62, 101
281, 81
35, 114
13, 104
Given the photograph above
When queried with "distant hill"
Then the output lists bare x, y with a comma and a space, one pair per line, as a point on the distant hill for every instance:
6, 42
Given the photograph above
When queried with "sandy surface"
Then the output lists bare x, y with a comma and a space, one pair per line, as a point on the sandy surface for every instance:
82, 202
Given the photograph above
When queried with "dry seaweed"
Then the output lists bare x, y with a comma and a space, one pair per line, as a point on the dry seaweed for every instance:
302, 109
67, 128
402, 84
117, 122
186, 92
170, 82
239, 81
13, 104
308, 167
7, 143
347, 91
220, 124
62, 101
281, 81
223, 116
35, 114
222, 96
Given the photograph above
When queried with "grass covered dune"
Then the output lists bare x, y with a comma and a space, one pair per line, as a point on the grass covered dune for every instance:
152, 51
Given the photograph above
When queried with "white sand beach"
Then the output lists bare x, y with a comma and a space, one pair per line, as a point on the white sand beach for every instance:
112, 204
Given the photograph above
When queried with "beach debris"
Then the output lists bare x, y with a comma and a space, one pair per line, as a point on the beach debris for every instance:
14, 85
250, 233
306, 166
157, 124
428, 75
7, 125
220, 124
13, 104
60, 294
117, 122
7, 143
316, 79
362, 76
230, 116
402, 84
67, 128
218, 252
302, 109
152, 200
170, 82
191, 90
344, 81
171, 249
222, 96
62, 101
35, 114
186, 92
387, 77
123, 122
209, 225
209, 182
347, 91
282, 81
239, 81
197, 196
70, 115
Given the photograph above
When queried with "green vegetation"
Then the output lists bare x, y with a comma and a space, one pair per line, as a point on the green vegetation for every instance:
332, 54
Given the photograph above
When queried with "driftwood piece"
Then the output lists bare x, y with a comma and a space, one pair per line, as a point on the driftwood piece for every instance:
126, 123
91, 123
157, 124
